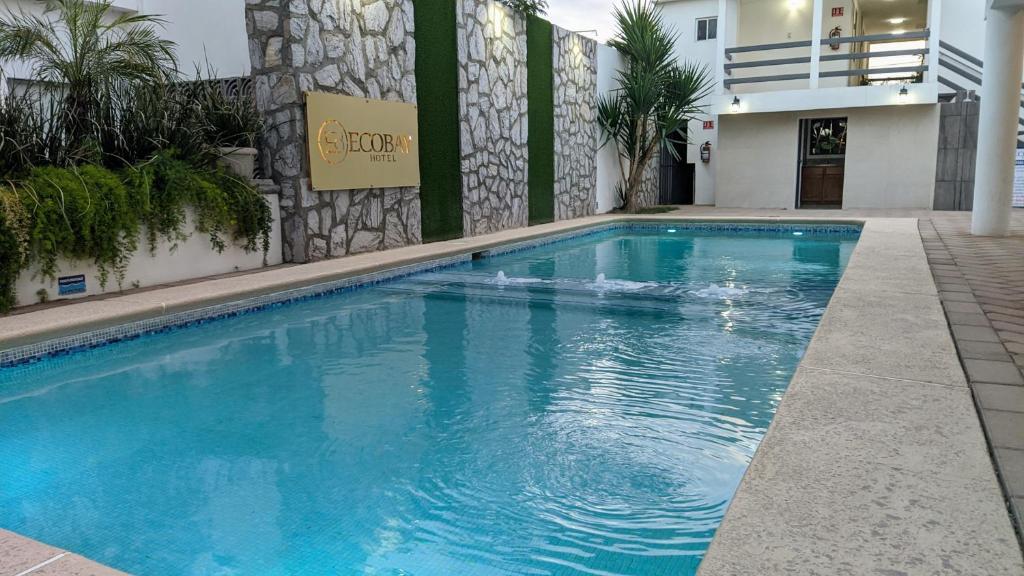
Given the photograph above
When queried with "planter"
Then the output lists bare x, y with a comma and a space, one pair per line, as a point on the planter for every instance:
239, 161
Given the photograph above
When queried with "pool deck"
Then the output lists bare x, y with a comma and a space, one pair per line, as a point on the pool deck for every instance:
876, 462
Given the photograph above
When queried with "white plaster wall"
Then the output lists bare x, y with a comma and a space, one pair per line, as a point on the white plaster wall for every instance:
682, 15
608, 63
193, 258
758, 155
205, 30
890, 157
212, 30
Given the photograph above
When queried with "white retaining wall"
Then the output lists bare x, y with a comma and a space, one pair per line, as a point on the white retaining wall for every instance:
193, 258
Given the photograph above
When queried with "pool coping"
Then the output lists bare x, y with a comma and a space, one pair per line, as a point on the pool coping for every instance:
107, 319
929, 502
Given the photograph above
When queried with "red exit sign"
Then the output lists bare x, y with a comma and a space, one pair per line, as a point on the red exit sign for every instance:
837, 11
709, 124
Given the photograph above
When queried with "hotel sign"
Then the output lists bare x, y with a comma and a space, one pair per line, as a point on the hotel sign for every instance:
361, 143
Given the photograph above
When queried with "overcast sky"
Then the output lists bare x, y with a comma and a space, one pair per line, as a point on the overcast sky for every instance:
583, 15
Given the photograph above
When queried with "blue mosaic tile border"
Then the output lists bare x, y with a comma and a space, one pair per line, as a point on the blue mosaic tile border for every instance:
68, 344
104, 336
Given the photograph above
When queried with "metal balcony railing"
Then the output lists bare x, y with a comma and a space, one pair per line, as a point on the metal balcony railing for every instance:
868, 38
962, 72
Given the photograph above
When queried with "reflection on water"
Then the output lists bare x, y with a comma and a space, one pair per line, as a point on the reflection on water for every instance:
441, 424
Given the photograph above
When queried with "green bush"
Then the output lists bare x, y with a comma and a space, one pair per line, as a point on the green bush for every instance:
14, 252
82, 213
166, 185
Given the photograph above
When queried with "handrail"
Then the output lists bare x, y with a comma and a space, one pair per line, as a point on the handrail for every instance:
946, 46
860, 55
915, 35
776, 77
825, 58
774, 46
870, 71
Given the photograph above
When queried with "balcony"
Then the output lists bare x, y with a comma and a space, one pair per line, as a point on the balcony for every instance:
787, 55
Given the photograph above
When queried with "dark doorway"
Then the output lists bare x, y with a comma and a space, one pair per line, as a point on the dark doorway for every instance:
822, 163
676, 175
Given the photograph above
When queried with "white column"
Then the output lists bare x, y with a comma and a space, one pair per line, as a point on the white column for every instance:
997, 121
934, 28
815, 42
720, 46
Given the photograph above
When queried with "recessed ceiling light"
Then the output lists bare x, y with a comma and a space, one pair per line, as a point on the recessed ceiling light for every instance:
897, 20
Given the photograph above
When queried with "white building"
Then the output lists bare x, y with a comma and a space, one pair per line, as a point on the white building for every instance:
210, 34
794, 123
775, 91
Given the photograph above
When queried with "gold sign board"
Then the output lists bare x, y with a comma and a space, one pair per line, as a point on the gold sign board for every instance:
360, 143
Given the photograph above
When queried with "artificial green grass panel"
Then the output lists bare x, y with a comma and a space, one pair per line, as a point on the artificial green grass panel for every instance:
541, 114
437, 94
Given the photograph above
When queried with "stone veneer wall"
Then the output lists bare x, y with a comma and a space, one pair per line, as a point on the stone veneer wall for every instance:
492, 116
576, 130
354, 47
651, 183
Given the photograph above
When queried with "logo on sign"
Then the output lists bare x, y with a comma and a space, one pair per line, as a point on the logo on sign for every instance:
71, 284
361, 143
709, 124
837, 11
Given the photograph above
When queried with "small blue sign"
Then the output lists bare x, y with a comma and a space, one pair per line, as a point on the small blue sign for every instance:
71, 284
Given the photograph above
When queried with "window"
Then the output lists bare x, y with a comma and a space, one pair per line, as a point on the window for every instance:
707, 28
826, 137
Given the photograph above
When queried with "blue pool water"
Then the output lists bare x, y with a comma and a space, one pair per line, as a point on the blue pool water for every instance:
545, 420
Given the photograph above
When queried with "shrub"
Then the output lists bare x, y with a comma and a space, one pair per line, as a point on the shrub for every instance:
83, 213
165, 185
14, 250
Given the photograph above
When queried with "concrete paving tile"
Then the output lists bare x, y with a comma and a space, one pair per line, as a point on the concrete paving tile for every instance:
817, 501
1004, 429
1011, 468
18, 553
982, 350
1014, 347
963, 307
993, 372
1004, 397
977, 333
75, 565
957, 297
967, 318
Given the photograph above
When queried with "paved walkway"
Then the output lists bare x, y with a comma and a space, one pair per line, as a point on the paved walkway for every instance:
981, 285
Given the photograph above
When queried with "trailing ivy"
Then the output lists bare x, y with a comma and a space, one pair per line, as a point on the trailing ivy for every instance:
165, 186
82, 213
14, 253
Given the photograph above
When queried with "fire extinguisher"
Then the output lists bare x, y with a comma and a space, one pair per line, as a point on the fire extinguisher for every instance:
705, 152
836, 33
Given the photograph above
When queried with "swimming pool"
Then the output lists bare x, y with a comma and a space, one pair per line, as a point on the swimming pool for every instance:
583, 407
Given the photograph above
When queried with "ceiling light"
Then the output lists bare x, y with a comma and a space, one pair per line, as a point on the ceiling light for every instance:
897, 20
899, 31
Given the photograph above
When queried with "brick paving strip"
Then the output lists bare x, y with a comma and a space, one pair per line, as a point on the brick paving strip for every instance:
981, 286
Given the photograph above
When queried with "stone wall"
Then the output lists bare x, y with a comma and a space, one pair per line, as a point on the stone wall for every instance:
957, 148
576, 131
354, 47
492, 116
651, 184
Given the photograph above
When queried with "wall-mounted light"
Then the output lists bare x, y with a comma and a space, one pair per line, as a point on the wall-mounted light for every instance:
795, 4
735, 104
897, 20
495, 20
904, 96
899, 31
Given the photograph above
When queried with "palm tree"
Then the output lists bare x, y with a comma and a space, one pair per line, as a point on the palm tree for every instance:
82, 51
656, 96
